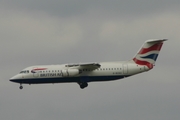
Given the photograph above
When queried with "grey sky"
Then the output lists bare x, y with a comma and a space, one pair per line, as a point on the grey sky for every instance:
56, 32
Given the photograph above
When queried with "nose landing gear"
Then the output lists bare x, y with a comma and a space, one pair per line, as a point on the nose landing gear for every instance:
20, 87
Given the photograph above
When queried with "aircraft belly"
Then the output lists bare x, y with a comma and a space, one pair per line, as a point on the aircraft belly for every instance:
68, 79
105, 78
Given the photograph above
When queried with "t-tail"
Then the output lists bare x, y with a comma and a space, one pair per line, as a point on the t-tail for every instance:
149, 52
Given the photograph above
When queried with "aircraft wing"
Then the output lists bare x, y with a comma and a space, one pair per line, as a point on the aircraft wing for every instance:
85, 65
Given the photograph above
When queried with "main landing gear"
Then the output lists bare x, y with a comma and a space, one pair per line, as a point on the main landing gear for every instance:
83, 84
20, 87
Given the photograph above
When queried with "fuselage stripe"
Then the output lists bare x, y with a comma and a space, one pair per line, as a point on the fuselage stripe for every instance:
40, 69
68, 79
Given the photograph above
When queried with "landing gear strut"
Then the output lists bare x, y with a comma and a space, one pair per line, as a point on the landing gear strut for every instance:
20, 87
83, 84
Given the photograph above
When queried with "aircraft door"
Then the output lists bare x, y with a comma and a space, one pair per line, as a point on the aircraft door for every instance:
22, 75
125, 68
35, 72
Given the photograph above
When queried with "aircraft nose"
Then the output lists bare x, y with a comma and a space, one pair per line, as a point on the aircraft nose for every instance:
15, 78
12, 80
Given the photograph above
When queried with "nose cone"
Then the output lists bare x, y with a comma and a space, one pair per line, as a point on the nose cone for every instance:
15, 78
12, 80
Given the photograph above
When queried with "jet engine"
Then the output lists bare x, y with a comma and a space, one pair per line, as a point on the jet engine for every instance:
70, 72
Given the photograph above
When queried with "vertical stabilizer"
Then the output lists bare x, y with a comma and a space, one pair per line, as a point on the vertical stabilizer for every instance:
149, 52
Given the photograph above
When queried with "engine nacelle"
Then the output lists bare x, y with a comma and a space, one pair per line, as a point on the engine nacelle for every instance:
70, 72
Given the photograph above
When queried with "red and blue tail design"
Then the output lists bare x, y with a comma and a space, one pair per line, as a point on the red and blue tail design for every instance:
149, 52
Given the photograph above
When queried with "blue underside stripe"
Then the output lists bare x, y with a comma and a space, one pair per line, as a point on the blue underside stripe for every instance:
68, 79
151, 56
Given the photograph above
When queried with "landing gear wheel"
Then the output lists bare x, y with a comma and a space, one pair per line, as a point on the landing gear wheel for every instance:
83, 85
21, 87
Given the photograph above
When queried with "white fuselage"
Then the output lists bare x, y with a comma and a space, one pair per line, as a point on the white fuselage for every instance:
64, 73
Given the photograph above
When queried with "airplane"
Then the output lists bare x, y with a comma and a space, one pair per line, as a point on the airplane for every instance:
84, 73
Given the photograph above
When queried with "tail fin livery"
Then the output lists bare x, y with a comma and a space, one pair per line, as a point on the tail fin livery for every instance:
149, 52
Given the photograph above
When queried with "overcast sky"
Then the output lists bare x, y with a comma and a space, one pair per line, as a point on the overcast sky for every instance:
38, 32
